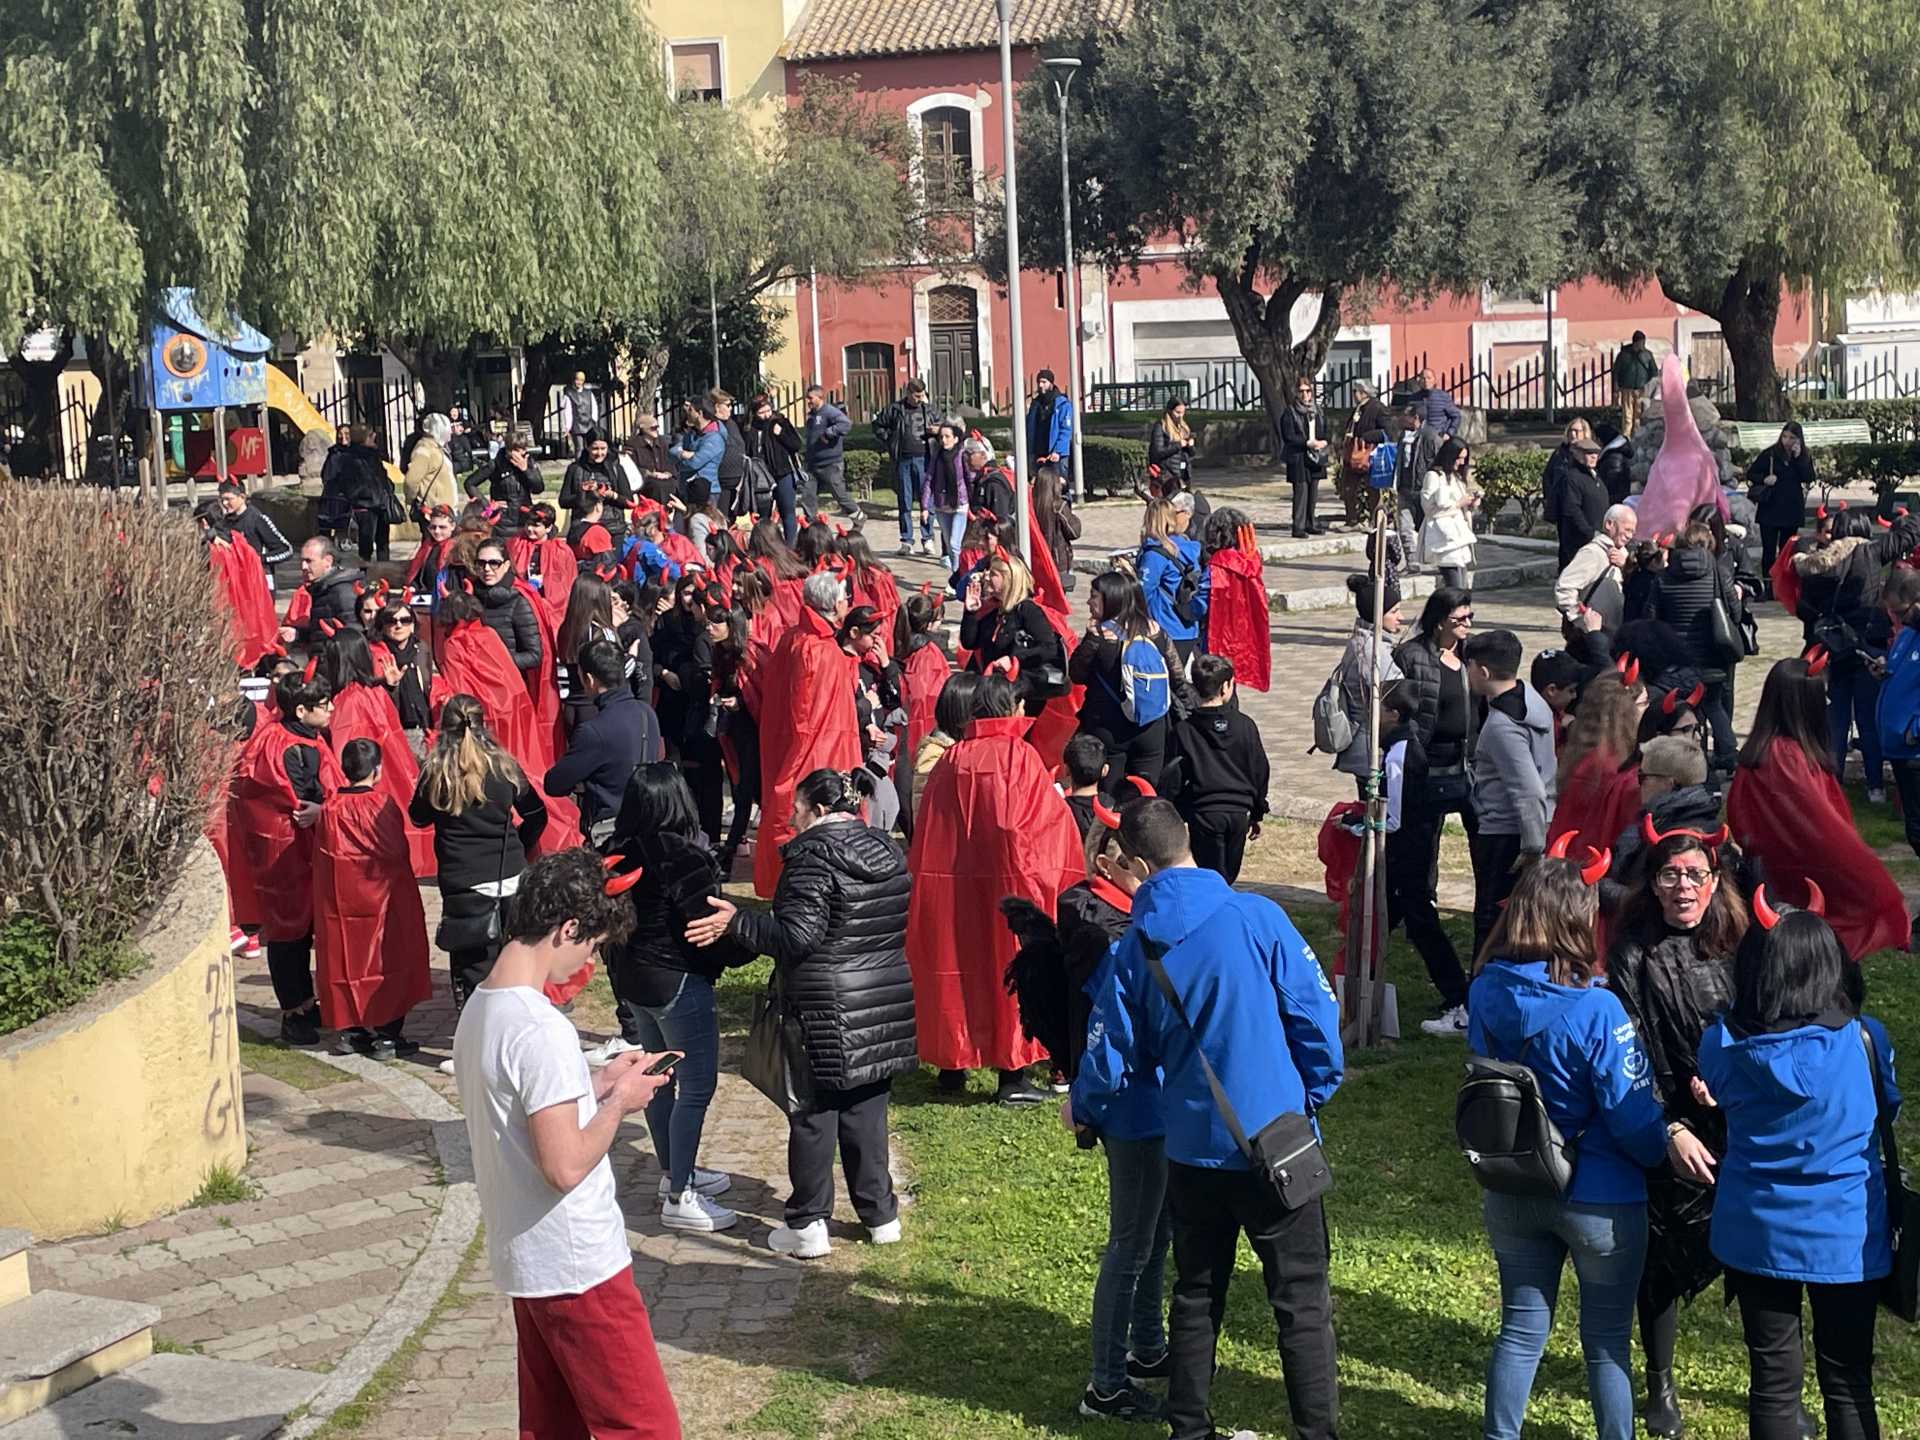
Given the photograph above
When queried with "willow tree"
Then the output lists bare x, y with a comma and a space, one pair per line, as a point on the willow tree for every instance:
1317, 149
1736, 149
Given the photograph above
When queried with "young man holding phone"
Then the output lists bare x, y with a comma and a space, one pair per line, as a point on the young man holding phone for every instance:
540, 1124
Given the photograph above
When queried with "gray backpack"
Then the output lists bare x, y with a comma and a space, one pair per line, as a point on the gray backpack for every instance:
1333, 728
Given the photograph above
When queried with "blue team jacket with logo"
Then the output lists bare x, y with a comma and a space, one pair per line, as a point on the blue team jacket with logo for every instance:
1595, 1079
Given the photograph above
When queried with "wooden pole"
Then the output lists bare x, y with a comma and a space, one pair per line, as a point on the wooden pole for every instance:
158, 466
1363, 951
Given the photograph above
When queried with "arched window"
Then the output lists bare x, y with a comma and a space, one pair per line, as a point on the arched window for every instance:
946, 155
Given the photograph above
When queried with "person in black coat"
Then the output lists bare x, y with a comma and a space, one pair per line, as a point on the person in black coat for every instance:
776, 443
1003, 621
511, 483
596, 466
1303, 450
1582, 499
397, 628
1116, 615
505, 608
607, 746
1682, 595
333, 588
1217, 771
1777, 483
1616, 463
837, 933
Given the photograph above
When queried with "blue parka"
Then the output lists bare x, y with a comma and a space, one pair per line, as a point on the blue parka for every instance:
1129, 1102
1899, 710
1160, 577
1250, 984
1595, 1079
1801, 1193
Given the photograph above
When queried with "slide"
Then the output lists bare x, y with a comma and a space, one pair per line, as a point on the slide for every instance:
286, 397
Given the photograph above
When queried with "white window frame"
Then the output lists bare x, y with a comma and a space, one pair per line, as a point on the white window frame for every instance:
718, 41
975, 107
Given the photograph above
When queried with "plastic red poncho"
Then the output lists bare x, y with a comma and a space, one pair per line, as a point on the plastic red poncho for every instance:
809, 725
543, 684
882, 592
1598, 801
1791, 815
423, 575
1237, 621
474, 662
1060, 717
261, 835
681, 550
366, 712
369, 930
557, 568
926, 673
1786, 580
299, 607
240, 590
989, 824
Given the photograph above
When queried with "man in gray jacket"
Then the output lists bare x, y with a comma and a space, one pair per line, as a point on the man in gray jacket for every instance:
826, 454
1419, 442
1513, 765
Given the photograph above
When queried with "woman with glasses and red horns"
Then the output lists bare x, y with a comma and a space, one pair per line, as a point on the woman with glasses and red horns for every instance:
1791, 817
1671, 968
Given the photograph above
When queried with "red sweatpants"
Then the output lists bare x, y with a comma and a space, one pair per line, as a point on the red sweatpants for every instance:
588, 1367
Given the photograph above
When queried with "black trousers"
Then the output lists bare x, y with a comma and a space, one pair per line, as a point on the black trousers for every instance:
1717, 707
1772, 537
1306, 490
1142, 753
1219, 839
372, 530
468, 968
1493, 880
290, 965
1210, 1208
1906, 779
1412, 852
1843, 1317
857, 1121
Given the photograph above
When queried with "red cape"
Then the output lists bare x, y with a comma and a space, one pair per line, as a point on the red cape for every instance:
1598, 801
369, 930
474, 662
243, 904
810, 725
883, 594
1237, 621
1792, 816
681, 551
240, 591
543, 685
1060, 717
788, 606
1786, 580
365, 712
558, 571
299, 606
925, 672
277, 854
989, 825
594, 540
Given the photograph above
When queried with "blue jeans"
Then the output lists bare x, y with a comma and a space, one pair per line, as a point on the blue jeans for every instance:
908, 476
678, 1111
1531, 1241
1853, 703
953, 529
1128, 1308
783, 501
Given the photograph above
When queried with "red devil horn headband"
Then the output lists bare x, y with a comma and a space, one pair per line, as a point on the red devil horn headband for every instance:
1654, 835
620, 884
1108, 818
1769, 917
1817, 658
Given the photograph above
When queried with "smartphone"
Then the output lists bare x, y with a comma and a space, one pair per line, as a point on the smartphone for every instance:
665, 1063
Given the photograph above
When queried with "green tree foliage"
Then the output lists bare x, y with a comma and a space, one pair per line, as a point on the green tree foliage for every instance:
1317, 148
1735, 146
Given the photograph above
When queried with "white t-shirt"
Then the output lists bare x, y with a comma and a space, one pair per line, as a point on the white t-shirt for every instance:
514, 1055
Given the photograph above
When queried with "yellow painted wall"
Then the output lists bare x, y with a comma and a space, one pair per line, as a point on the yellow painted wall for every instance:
114, 1112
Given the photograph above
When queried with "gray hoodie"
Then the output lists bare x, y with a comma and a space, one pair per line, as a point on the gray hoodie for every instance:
1513, 765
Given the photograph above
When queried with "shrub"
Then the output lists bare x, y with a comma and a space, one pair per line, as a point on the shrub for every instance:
1515, 475
115, 662
863, 470
1889, 421
1885, 467
1113, 464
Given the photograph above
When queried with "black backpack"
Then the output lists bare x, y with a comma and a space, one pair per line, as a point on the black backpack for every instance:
1506, 1134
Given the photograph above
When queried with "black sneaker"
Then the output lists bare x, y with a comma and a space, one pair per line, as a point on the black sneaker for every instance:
1126, 1403
299, 1028
952, 1082
1019, 1094
1158, 1368
353, 1042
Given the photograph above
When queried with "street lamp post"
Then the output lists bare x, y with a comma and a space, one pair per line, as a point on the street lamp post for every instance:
1064, 68
1017, 350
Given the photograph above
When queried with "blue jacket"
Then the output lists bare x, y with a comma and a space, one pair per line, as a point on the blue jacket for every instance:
1900, 697
1801, 1194
707, 450
1439, 411
1160, 578
1128, 1103
1050, 432
653, 560
1595, 1080
1250, 984
826, 434
603, 751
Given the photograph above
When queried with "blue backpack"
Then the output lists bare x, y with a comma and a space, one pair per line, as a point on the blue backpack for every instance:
1146, 692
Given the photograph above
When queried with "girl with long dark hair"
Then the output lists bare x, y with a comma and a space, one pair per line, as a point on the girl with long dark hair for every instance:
735, 726
398, 630
1116, 616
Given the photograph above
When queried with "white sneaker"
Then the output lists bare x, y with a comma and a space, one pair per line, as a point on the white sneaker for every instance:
809, 1242
887, 1234
707, 1182
906, 548
694, 1211
446, 1066
601, 1054
1451, 1023
1876, 797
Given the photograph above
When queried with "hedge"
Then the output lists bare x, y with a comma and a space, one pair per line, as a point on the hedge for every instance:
1888, 421
1518, 475
1112, 465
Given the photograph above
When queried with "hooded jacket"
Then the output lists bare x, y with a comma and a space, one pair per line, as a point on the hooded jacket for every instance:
1513, 768
1595, 1079
507, 612
336, 597
837, 933
1259, 1003
1682, 596
1801, 1194
1842, 579
1223, 765
1616, 469
1899, 705
1160, 577
1357, 758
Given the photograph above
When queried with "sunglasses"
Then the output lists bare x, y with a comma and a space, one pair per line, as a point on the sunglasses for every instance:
404, 622
1466, 619
492, 564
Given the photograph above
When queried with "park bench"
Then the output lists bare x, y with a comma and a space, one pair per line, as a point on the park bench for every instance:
1137, 395
1757, 435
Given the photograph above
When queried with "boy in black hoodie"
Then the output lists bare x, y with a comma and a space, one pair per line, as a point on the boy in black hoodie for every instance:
1085, 761
1218, 769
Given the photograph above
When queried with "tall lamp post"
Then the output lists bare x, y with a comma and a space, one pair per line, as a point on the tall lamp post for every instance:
1064, 68
1017, 349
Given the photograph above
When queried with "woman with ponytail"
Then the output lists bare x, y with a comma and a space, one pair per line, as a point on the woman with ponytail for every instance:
837, 934
470, 792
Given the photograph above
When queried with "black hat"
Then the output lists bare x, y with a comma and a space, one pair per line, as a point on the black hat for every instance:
1362, 587
1046, 375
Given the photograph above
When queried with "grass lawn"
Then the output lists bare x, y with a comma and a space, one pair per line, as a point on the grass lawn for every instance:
977, 1327
289, 1066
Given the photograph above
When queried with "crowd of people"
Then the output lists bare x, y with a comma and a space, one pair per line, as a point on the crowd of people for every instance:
575, 717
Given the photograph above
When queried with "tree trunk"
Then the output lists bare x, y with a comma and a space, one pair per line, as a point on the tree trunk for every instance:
1263, 328
649, 367
38, 452
435, 366
1747, 315
115, 373
532, 409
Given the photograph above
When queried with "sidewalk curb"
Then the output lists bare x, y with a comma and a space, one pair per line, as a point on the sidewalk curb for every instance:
438, 1262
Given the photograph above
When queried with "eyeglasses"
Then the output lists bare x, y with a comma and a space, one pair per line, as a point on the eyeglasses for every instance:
1672, 877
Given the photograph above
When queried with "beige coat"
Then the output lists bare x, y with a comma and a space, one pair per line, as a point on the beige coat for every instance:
429, 479
931, 749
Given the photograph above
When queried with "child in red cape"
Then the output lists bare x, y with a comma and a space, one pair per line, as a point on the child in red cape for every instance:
1789, 814
1236, 619
369, 931
1597, 797
544, 562
990, 826
807, 721
363, 709
286, 774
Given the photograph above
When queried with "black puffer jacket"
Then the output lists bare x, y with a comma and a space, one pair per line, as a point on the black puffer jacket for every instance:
837, 933
336, 597
509, 614
1424, 671
1682, 596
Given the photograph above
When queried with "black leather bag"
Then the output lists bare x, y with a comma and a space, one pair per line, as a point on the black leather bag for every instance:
1286, 1151
1503, 1129
1900, 1291
774, 1060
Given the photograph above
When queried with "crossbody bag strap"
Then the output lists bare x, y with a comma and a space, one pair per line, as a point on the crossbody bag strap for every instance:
1883, 1122
1224, 1105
